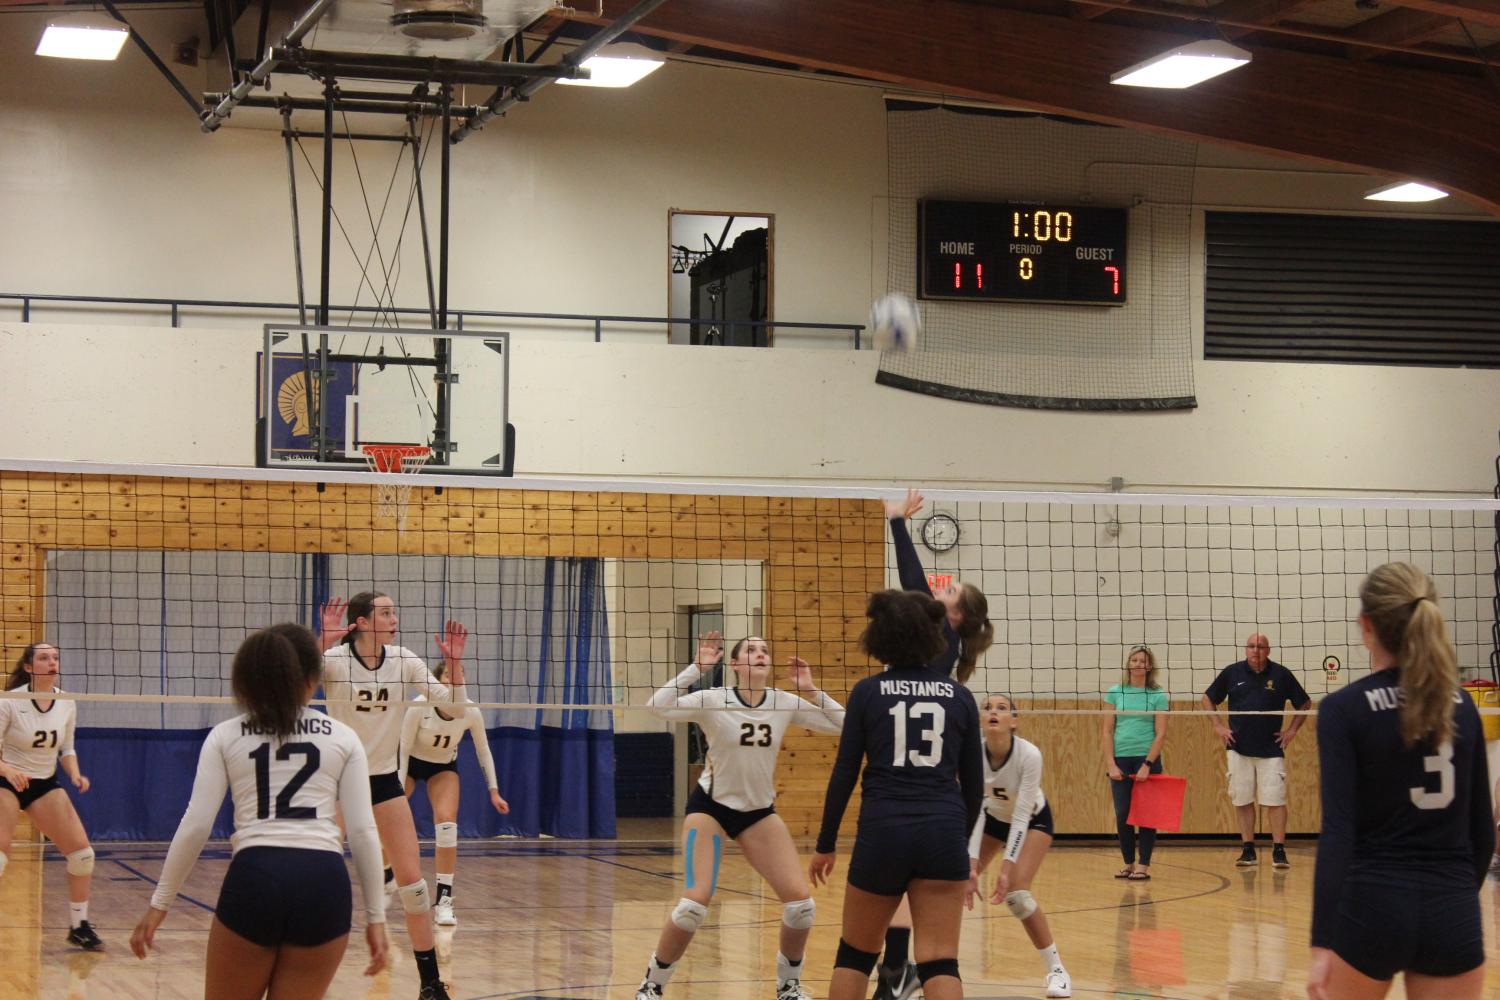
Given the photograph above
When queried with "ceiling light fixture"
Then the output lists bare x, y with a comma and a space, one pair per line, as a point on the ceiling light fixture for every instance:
619, 64
1183, 66
1405, 191
83, 36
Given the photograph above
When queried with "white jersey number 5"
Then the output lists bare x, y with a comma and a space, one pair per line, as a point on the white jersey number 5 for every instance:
1442, 763
932, 737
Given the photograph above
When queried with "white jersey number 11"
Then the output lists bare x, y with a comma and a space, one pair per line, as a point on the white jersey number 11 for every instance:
932, 737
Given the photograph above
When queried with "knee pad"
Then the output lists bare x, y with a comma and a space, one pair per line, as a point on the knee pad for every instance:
689, 914
81, 862
799, 914
850, 957
938, 967
447, 834
3, 862
1021, 903
414, 897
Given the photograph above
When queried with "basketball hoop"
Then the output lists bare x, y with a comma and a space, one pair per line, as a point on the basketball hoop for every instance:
401, 459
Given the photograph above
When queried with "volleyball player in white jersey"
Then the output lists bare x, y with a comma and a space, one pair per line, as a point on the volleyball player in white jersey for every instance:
429, 754
364, 675
1016, 824
734, 800
282, 922
36, 737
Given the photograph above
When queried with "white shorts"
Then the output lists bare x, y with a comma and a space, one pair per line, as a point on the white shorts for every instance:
1257, 778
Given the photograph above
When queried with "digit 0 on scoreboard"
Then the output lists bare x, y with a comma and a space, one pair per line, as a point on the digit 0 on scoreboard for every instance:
1032, 252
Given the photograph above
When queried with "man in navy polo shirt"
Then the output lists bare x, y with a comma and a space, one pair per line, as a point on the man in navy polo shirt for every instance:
1256, 744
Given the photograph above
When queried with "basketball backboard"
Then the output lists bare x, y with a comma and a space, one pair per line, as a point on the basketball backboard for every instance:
447, 389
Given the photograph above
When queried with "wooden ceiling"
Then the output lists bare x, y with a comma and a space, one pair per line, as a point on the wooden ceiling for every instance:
1409, 88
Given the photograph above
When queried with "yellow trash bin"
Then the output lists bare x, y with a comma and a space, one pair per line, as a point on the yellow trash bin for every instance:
1487, 696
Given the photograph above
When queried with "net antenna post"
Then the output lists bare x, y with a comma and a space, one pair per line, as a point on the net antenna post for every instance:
393, 497
1112, 526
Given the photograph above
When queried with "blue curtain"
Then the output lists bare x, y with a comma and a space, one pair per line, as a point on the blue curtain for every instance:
539, 635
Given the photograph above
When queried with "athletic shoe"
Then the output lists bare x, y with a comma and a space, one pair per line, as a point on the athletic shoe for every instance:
648, 991
1058, 984
792, 990
1247, 857
442, 913
434, 991
1278, 857
904, 985
83, 936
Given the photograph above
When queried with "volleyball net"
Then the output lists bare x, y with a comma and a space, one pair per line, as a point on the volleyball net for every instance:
588, 599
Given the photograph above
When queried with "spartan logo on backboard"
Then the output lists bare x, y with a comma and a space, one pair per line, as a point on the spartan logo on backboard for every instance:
291, 426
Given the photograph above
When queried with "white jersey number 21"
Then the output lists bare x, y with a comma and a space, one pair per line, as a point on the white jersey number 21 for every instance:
932, 737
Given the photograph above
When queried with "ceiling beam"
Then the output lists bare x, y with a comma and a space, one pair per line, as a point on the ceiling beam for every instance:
1084, 12
1474, 11
1242, 17
1293, 28
1386, 119
1402, 26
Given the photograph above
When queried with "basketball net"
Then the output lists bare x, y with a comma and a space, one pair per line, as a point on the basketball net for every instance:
391, 498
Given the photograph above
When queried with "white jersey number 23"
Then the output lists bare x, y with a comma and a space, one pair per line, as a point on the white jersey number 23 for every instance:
931, 737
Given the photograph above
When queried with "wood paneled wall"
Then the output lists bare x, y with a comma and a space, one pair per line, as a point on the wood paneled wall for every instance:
1075, 783
822, 558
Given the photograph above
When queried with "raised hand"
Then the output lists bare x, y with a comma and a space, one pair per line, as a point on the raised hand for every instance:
800, 674
332, 626
710, 650
452, 642
908, 506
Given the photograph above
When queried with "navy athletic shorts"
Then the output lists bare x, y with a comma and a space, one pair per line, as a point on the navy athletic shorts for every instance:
734, 821
385, 786
422, 770
286, 895
1432, 929
892, 853
1001, 831
35, 789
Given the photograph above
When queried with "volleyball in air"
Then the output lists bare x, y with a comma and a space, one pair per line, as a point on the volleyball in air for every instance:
895, 323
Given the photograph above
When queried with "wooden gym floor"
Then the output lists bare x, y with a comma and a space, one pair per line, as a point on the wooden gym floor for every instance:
565, 919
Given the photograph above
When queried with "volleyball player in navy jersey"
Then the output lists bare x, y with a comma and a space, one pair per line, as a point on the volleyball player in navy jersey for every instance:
282, 921
967, 633
917, 730
36, 742
1407, 831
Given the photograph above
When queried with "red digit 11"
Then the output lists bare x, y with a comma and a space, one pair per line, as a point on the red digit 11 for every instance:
1114, 272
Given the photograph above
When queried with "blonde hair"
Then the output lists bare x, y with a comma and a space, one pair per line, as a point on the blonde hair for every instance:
1400, 602
975, 632
1151, 670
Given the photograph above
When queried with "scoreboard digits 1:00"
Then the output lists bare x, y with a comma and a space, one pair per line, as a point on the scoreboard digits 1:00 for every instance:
1017, 252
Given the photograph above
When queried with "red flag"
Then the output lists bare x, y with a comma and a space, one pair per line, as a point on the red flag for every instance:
1156, 803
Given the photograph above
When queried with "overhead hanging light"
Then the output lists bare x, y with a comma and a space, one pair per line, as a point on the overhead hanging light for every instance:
1183, 66
83, 36
1406, 191
618, 64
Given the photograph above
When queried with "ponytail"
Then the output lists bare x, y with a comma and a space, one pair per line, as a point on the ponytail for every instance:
1400, 602
975, 633
271, 673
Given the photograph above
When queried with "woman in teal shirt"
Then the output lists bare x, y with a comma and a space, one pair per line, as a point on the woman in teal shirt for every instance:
1132, 752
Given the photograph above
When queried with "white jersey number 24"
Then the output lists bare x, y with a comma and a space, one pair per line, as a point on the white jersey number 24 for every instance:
931, 737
